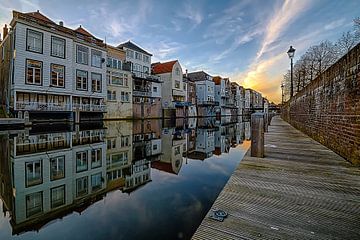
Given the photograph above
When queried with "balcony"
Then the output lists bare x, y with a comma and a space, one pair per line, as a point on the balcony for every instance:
146, 76
89, 107
39, 106
139, 93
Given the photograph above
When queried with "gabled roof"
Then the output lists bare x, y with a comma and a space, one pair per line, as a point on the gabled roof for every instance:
82, 31
39, 16
217, 80
166, 67
198, 76
134, 47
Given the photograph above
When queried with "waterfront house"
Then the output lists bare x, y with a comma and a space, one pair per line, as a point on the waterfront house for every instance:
173, 88
190, 97
119, 85
205, 93
55, 70
238, 95
146, 87
224, 97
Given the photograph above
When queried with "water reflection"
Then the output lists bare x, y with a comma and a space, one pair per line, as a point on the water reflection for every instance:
47, 174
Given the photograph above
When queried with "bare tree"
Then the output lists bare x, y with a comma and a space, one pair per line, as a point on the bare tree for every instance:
357, 27
325, 55
346, 42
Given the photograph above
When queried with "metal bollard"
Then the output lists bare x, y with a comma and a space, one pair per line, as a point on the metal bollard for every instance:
257, 135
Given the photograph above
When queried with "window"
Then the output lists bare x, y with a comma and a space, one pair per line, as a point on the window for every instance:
82, 54
81, 80
119, 159
57, 75
33, 173
111, 143
57, 168
57, 47
96, 181
81, 161
111, 95
177, 71
57, 196
155, 147
96, 82
177, 150
113, 63
146, 58
81, 186
34, 203
96, 58
177, 84
138, 55
96, 158
155, 89
146, 69
117, 78
130, 53
34, 41
125, 141
125, 97
33, 72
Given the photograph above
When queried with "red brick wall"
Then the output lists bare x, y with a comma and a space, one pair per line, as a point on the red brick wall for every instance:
328, 109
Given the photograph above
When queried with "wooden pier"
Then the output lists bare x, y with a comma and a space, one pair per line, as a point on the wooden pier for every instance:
300, 190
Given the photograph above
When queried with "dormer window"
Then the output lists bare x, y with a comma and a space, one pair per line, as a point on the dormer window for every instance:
34, 41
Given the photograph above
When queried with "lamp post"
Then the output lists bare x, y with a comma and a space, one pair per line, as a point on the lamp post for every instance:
291, 53
282, 93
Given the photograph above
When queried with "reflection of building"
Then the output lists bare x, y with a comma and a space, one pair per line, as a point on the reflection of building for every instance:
205, 143
54, 174
190, 97
146, 87
173, 88
174, 145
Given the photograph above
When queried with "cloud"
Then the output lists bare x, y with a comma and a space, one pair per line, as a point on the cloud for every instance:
191, 13
165, 50
335, 24
280, 21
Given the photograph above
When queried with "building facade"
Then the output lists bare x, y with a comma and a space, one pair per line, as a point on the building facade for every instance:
119, 85
146, 87
173, 88
54, 69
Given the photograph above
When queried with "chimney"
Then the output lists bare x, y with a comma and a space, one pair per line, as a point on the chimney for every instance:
5, 31
186, 73
61, 23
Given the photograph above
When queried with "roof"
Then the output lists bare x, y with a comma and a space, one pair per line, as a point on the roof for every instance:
39, 16
217, 80
82, 31
40, 19
166, 67
198, 76
165, 167
132, 46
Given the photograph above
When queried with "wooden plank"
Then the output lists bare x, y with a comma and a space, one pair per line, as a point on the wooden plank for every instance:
300, 190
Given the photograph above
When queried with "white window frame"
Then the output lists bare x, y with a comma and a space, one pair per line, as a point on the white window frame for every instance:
58, 47
34, 41
59, 77
82, 54
34, 68
96, 57
83, 80
96, 84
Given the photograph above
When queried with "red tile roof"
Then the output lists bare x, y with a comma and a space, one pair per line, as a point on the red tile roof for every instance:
165, 167
39, 16
158, 68
82, 31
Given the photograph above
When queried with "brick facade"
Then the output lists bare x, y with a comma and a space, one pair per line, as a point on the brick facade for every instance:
328, 109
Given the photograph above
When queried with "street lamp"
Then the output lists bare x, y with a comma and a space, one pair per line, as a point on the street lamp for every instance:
282, 93
291, 53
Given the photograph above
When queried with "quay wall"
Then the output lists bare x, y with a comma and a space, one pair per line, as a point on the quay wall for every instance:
328, 109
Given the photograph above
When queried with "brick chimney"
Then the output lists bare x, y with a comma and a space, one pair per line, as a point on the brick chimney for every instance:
5, 31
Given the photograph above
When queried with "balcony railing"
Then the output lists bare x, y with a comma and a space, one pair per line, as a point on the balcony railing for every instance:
89, 107
146, 76
38, 106
141, 93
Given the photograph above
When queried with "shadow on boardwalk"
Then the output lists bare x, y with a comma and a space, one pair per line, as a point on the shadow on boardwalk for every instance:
300, 190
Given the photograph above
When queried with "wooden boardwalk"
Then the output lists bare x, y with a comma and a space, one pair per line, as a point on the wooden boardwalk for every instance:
300, 190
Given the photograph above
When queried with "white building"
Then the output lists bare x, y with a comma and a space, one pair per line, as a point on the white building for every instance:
54, 69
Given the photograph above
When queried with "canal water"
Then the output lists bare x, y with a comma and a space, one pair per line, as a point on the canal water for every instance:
152, 179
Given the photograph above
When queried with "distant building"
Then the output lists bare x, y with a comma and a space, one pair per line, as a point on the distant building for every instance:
146, 87
224, 96
54, 69
190, 97
205, 93
173, 88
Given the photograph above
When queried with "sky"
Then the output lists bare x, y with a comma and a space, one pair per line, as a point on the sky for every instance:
245, 40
